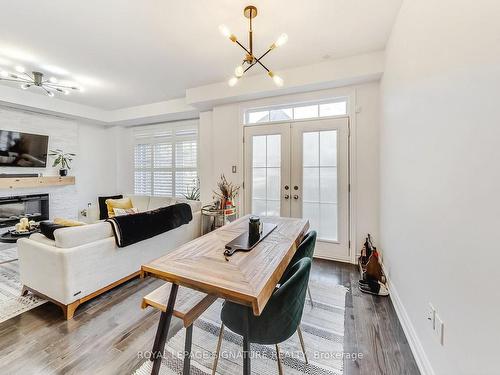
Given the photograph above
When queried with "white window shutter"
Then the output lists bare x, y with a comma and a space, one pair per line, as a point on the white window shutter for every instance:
166, 158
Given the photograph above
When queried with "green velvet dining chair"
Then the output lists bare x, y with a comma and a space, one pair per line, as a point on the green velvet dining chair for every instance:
305, 250
279, 320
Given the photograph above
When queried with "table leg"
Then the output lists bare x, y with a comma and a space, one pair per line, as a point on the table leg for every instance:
162, 332
187, 350
246, 346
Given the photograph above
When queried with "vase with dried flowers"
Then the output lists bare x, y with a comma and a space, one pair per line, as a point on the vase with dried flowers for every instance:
225, 195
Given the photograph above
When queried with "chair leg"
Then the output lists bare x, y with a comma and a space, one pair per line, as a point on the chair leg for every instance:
310, 296
187, 350
217, 350
299, 332
280, 366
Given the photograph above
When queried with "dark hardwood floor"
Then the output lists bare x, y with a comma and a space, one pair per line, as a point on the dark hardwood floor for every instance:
107, 333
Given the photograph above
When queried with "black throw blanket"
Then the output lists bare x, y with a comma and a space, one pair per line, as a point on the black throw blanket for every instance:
133, 228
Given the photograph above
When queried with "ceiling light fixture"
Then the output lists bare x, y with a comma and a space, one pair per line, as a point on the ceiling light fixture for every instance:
36, 80
250, 60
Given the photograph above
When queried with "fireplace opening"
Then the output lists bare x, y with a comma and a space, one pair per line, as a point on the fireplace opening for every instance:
34, 207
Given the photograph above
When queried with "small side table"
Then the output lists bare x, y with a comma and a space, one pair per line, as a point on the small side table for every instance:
213, 218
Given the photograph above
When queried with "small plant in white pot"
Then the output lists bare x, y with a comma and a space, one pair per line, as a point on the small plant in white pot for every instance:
63, 159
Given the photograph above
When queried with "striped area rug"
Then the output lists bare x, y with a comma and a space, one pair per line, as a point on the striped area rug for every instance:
11, 302
322, 328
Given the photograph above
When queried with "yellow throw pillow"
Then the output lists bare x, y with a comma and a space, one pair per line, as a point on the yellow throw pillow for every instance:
68, 222
124, 203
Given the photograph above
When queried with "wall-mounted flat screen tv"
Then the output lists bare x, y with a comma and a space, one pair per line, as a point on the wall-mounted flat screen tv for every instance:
23, 149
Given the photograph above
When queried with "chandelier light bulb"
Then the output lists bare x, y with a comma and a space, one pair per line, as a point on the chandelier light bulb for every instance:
278, 81
20, 69
50, 93
53, 80
25, 86
4, 74
233, 81
283, 38
224, 30
238, 72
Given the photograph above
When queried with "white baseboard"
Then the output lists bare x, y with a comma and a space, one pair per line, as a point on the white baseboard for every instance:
409, 330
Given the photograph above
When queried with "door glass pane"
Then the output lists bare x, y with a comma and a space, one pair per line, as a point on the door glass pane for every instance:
333, 109
310, 147
308, 111
281, 114
319, 181
266, 175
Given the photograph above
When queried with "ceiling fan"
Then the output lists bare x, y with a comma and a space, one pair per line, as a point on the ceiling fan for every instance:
250, 59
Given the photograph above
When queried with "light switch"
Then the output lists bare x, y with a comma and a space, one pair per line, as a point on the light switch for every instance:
234, 169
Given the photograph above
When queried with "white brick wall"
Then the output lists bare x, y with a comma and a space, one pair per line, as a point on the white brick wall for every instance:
63, 134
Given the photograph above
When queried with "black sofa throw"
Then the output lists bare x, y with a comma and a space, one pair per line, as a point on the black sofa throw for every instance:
133, 228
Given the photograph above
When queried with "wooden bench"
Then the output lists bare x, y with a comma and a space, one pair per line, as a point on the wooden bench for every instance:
189, 305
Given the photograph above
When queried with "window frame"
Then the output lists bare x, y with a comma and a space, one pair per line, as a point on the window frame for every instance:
317, 103
166, 133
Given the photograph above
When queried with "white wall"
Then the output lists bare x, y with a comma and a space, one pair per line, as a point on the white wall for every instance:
221, 147
440, 179
94, 166
96, 172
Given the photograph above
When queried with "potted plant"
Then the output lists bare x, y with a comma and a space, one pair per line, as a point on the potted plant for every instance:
63, 159
194, 193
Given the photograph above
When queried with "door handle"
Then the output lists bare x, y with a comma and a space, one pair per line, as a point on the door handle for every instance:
295, 196
286, 196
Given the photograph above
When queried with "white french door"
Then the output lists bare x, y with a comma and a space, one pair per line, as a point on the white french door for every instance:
301, 170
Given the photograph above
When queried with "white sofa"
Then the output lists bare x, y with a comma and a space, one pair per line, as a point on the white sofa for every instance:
84, 261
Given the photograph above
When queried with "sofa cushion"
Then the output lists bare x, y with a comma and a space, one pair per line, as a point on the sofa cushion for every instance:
103, 209
117, 203
39, 237
195, 205
158, 202
141, 202
76, 236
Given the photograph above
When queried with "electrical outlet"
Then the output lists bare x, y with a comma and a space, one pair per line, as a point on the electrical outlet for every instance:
439, 330
431, 315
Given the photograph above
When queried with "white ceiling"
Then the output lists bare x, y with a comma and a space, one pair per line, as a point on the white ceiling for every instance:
128, 53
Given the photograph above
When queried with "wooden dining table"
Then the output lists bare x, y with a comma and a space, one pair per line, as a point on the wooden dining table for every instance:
248, 278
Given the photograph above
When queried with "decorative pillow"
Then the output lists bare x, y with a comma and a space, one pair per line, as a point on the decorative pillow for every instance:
103, 208
68, 222
125, 211
117, 203
47, 228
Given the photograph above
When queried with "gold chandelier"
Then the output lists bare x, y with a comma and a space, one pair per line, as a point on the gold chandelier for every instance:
250, 60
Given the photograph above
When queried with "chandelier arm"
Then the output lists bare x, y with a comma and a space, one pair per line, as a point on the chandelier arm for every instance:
242, 46
54, 85
264, 54
16, 80
47, 91
257, 60
250, 67
30, 77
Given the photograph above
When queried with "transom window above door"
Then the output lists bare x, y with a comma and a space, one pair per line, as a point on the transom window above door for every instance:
302, 111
